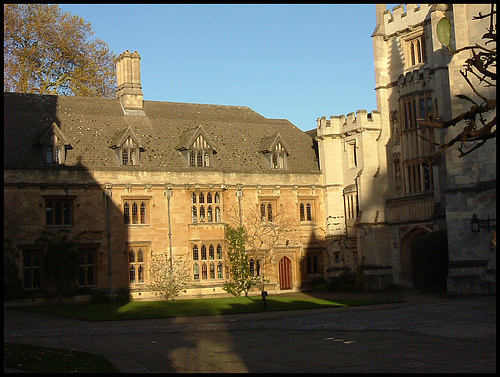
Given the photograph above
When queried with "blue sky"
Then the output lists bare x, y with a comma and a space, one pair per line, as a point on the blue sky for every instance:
286, 61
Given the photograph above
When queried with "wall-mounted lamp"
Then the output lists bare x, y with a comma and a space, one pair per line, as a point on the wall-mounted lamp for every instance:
476, 224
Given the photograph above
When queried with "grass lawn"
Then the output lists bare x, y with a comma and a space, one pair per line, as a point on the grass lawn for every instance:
37, 359
186, 308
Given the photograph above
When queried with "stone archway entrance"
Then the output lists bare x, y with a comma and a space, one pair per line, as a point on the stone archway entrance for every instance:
408, 276
285, 273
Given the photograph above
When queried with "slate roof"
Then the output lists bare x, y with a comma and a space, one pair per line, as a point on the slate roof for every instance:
93, 125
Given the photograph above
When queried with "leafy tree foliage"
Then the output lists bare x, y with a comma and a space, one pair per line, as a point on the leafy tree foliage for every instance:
60, 263
479, 71
165, 282
47, 51
12, 285
242, 278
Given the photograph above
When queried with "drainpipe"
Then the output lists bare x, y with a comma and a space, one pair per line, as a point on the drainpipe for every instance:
168, 193
239, 194
108, 193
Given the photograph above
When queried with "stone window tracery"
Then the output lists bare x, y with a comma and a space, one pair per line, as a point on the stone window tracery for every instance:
210, 260
205, 207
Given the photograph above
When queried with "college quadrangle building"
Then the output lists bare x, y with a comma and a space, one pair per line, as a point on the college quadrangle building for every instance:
139, 178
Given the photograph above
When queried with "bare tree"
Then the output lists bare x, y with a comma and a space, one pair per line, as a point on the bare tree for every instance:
480, 120
164, 281
265, 232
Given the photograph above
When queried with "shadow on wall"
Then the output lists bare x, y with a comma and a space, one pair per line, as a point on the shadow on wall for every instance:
58, 201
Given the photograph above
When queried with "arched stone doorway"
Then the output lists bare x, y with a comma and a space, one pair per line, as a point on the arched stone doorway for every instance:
285, 273
407, 271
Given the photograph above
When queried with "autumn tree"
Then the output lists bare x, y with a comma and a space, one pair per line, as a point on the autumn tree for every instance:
47, 51
479, 72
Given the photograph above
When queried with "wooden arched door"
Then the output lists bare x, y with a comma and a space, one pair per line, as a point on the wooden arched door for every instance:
285, 273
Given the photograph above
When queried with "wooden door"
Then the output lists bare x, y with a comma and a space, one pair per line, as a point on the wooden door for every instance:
285, 272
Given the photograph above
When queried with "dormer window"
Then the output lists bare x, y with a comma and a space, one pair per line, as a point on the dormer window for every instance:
129, 153
200, 157
54, 145
197, 148
275, 151
278, 157
127, 147
53, 154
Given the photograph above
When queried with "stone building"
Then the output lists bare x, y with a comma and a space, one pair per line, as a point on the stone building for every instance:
157, 177
400, 198
140, 178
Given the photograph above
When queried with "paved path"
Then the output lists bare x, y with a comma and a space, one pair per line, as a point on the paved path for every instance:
424, 334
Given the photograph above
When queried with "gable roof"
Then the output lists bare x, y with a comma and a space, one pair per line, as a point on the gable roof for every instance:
189, 137
46, 136
92, 125
121, 136
268, 144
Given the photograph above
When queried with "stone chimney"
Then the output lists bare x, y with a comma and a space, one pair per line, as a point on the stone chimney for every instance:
128, 77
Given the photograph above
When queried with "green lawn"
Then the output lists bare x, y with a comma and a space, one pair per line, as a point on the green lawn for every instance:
186, 308
37, 359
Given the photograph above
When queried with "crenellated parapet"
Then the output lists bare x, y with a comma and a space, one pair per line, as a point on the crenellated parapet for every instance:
342, 126
401, 19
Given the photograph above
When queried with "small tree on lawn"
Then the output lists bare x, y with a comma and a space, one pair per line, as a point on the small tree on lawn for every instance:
242, 278
164, 281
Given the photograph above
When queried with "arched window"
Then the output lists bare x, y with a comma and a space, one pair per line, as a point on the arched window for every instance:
196, 271
209, 197
126, 213
220, 274
202, 213
137, 264
217, 215
211, 252
195, 252
143, 213
135, 212
219, 251
193, 198
308, 212
210, 216
212, 270
203, 252
194, 214
132, 274
204, 271
135, 218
